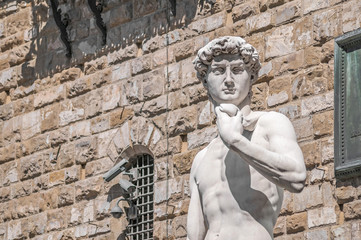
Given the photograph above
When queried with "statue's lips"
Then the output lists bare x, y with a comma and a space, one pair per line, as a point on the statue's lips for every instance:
229, 90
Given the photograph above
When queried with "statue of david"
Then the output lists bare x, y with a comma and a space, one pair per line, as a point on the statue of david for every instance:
237, 181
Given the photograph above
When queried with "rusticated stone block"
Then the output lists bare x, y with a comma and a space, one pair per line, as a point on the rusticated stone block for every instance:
27, 206
303, 128
18, 22
279, 42
95, 65
321, 234
177, 100
94, 103
287, 12
132, 91
183, 50
56, 178
259, 22
199, 138
85, 150
141, 64
71, 112
111, 97
80, 129
160, 57
35, 225
57, 219
327, 25
182, 120
341, 232
31, 166
155, 106
243, 11
345, 194
20, 189
196, 93
317, 103
174, 192
72, 174
311, 5
309, 197
70, 74
49, 117
296, 222
183, 162
78, 87
99, 124
66, 196
321, 216
15, 231
311, 153
153, 83
23, 105
98, 167
160, 147
7, 153
323, 124
89, 188
280, 225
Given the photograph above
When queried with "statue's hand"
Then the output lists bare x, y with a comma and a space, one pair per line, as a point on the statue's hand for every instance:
229, 123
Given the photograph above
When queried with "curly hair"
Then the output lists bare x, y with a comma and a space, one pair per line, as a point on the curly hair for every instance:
227, 45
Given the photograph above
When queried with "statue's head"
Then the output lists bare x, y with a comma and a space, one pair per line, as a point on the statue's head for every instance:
227, 66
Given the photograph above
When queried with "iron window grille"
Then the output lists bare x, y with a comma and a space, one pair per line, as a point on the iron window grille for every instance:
141, 228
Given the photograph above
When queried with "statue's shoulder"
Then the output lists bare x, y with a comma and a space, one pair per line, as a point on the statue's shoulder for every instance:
198, 159
275, 123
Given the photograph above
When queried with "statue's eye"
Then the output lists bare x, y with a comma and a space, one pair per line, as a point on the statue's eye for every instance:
218, 70
237, 70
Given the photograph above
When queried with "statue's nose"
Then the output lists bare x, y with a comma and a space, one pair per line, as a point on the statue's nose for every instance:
229, 79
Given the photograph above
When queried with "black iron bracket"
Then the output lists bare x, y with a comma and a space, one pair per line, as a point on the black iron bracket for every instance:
62, 21
173, 7
97, 7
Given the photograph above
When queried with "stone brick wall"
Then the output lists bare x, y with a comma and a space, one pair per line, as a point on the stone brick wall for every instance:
64, 121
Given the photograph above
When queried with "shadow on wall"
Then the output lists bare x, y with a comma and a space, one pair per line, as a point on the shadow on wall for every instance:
127, 23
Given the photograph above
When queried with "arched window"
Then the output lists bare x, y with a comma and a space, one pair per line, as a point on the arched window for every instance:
142, 227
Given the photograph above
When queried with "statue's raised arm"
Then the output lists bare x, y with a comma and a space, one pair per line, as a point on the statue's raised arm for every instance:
237, 181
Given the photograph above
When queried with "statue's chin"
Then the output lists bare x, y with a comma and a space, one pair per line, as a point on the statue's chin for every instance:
229, 108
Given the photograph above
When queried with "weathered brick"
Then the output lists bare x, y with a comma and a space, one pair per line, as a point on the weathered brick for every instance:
345, 194
120, 72
183, 161
321, 234
280, 42
78, 87
311, 153
311, 196
182, 120
70, 112
327, 25
49, 117
311, 5
303, 128
296, 222
321, 216
85, 150
89, 188
31, 166
317, 103
111, 97
322, 124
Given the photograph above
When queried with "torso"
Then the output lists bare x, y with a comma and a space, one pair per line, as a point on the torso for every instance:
237, 201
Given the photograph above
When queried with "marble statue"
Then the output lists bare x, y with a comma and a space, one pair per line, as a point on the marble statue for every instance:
237, 181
